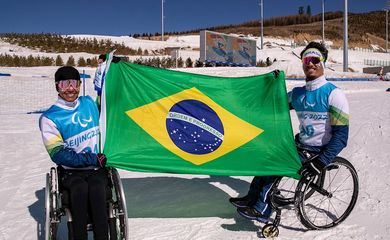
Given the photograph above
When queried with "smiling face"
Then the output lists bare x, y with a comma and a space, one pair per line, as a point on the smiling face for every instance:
313, 71
312, 64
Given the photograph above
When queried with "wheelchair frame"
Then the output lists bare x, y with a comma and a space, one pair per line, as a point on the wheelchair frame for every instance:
311, 195
54, 209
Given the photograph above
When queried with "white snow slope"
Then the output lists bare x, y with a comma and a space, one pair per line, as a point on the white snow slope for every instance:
169, 206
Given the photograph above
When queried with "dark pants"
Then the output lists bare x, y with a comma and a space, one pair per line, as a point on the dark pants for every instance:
87, 189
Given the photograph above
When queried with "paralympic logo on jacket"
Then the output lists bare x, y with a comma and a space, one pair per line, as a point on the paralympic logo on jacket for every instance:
83, 122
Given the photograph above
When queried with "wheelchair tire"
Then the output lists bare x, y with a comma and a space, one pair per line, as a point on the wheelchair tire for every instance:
331, 204
270, 231
120, 210
285, 189
51, 222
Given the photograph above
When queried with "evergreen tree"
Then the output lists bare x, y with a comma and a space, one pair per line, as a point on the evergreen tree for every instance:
308, 10
180, 62
23, 61
30, 61
47, 61
16, 61
71, 61
158, 62
89, 62
189, 62
59, 61
94, 62
170, 63
261, 64
301, 10
81, 62
37, 61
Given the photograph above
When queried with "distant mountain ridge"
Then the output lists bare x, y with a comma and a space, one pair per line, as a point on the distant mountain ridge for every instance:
364, 29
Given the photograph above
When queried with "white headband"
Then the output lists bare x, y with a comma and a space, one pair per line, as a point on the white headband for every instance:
313, 52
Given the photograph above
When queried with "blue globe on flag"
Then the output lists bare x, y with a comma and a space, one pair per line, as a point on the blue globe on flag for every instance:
194, 127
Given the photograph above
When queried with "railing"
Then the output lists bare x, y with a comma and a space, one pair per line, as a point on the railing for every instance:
376, 62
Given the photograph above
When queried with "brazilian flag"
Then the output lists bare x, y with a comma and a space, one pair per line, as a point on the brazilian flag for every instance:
157, 120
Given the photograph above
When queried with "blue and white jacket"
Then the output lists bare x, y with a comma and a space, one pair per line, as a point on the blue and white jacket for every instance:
70, 133
323, 114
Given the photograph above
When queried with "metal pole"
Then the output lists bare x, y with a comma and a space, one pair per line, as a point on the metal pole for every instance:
162, 20
83, 82
261, 23
176, 54
323, 21
387, 28
345, 68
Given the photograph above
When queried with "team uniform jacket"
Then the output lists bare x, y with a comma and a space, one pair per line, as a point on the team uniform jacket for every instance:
70, 133
323, 114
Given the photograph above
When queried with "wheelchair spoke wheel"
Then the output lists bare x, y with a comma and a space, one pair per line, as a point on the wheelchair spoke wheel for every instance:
286, 189
330, 200
47, 207
51, 222
270, 231
120, 210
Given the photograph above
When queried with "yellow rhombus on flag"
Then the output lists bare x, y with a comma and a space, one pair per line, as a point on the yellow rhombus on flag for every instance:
152, 118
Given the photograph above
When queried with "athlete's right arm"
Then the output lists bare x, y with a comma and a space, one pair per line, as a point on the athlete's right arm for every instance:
59, 153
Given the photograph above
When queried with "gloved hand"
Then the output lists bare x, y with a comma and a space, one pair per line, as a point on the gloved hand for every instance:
311, 168
101, 160
115, 59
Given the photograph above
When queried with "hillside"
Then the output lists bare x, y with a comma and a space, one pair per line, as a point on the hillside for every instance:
364, 28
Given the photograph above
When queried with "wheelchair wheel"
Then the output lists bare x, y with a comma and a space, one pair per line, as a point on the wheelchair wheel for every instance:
327, 200
270, 231
51, 206
119, 206
285, 191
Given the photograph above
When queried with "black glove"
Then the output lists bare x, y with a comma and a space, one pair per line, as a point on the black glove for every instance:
311, 168
101, 160
115, 59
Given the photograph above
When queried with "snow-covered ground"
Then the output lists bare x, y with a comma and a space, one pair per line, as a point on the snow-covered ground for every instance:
170, 206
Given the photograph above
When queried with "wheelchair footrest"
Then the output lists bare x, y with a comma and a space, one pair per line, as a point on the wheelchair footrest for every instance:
280, 201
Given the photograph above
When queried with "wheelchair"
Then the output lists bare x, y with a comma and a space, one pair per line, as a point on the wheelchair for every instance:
56, 206
320, 202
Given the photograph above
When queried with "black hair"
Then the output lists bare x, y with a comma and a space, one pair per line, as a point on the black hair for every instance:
102, 57
66, 72
319, 46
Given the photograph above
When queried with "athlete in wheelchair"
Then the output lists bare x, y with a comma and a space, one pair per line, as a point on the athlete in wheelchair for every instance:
322, 111
80, 187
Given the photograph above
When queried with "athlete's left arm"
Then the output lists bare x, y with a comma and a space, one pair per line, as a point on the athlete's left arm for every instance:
339, 119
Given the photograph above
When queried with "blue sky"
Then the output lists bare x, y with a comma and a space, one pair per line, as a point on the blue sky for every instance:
123, 17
